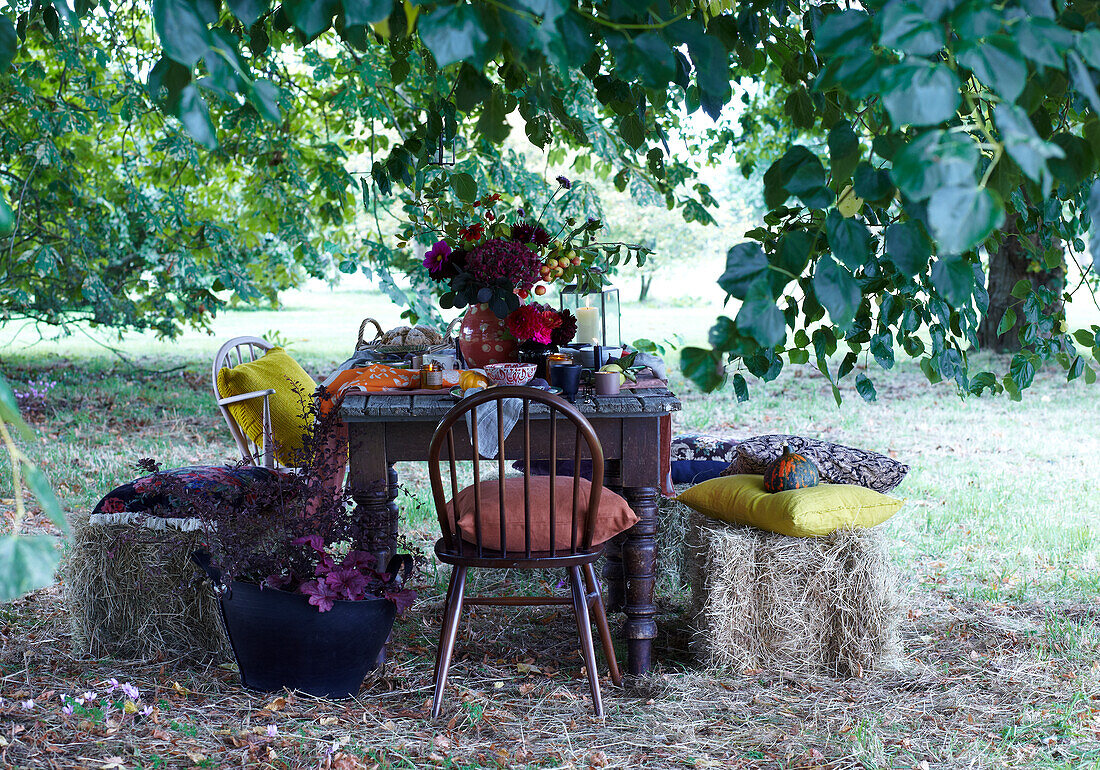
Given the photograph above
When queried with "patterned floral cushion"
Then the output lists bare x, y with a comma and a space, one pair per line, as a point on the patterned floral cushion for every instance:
697, 457
836, 464
145, 495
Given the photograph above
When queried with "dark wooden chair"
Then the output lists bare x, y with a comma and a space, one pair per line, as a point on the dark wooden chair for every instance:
547, 421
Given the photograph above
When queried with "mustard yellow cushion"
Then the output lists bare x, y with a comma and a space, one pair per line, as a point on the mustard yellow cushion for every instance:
810, 512
276, 370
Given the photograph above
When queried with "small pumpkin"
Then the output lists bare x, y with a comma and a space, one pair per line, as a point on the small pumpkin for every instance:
790, 471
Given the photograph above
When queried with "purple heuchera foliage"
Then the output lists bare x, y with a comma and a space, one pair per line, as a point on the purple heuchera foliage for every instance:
280, 527
321, 594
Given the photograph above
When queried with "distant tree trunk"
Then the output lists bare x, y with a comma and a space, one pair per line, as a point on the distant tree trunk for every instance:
647, 281
1007, 266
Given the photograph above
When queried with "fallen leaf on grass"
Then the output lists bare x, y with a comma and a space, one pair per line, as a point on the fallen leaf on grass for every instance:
113, 763
276, 704
180, 689
328, 721
196, 757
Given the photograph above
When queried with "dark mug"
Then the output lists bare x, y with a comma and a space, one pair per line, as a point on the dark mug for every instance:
567, 377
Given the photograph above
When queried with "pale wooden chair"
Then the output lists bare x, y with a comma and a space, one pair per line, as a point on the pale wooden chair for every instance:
235, 352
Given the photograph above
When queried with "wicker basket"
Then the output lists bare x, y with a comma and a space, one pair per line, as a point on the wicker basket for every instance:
376, 345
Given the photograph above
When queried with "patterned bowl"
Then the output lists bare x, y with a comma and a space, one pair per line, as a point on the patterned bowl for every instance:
510, 374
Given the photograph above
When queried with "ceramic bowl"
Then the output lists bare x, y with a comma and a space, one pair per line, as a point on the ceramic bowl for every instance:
510, 374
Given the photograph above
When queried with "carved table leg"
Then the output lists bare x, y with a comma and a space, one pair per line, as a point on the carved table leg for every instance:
639, 560
614, 589
374, 490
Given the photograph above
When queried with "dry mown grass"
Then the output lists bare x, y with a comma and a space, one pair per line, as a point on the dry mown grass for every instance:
1000, 665
981, 687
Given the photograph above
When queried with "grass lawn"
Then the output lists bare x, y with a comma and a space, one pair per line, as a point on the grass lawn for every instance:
998, 546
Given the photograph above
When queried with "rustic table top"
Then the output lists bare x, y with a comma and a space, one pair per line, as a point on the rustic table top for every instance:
377, 407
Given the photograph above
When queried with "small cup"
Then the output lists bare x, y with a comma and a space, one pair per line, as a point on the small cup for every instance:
607, 383
567, 377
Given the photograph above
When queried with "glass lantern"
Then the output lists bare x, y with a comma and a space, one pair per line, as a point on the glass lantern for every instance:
597, 312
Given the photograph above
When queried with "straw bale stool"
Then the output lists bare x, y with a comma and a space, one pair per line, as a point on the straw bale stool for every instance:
766, 601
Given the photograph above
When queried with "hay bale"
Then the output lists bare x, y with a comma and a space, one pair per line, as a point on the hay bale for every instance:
130, 597
766, 601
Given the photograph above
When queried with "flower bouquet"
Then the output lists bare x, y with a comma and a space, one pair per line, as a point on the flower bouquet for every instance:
492, 257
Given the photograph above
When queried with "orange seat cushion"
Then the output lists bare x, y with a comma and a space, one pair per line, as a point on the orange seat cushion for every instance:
614, 515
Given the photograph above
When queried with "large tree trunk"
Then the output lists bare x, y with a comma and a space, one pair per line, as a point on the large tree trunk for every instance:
1008, 265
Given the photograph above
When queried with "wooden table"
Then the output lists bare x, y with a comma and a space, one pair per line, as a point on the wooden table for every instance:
385, 429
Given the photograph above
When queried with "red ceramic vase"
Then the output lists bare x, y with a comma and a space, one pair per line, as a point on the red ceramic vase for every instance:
484, 339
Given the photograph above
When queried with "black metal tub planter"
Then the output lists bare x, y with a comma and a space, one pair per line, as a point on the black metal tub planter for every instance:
319, 636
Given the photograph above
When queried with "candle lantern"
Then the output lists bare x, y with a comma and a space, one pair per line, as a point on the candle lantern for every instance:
597, 311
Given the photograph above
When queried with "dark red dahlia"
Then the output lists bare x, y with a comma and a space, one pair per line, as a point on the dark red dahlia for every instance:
565, 333
498, 261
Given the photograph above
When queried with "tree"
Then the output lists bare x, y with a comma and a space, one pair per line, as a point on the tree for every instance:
940, 118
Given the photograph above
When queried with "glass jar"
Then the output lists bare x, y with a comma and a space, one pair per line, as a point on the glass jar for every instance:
431, 375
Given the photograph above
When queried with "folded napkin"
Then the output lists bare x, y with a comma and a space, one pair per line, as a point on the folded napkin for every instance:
488, 433
371, 378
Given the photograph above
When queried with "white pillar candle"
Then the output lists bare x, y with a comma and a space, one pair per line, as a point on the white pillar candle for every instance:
588, 325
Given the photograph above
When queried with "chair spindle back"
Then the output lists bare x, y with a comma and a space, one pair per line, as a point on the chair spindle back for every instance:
541, 415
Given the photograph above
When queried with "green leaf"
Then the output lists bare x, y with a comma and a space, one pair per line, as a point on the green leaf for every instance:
472, 88
843, 33
1008, 320
311, 17
799, 173
745, 265
183, 34
849, 239
908, 248
920, 93
1022, 370
1076, 368
265, 98
760, 318
865, 388
997, 63
740, 388
1088, 45
799, 107
1094, 215
464, 187
632, 130
40, 487
703, 367
9, 42
953, 278
1021, 289
844, 151
1043, 41
906, 28
873, 184
195, 116
649, 58
359, 13
790, 259
493, 123
1082, 80
1024, 145
962, 218
249, 11
934, 160
838, 291
453, 34
9, 410
27, 563
882, 348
